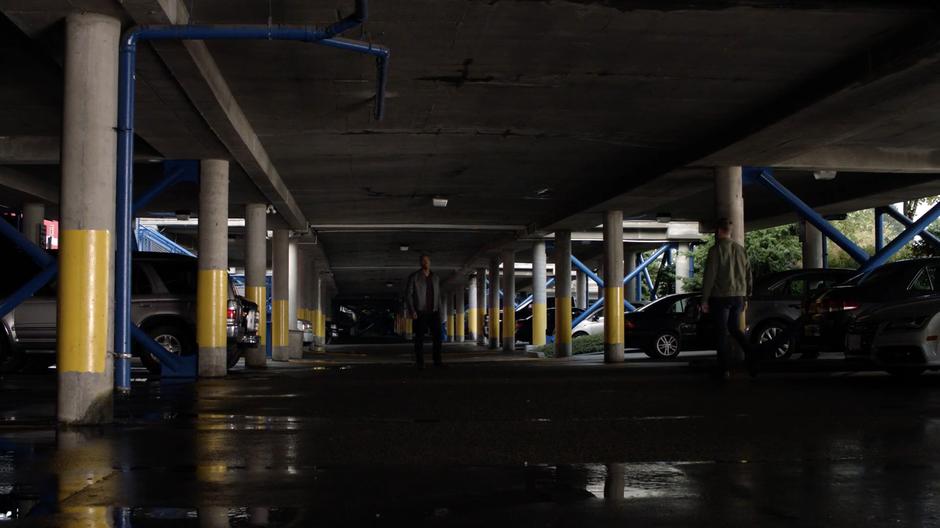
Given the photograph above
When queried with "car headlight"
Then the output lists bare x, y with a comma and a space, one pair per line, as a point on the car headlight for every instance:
908, 323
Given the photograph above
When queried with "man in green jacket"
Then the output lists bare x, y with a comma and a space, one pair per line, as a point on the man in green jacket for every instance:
727, 285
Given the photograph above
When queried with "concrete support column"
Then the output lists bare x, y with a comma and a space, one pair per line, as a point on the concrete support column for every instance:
631, 290
480, 281
33, 215
509, 298
460, 321
729, 203
581, 290
683, 266
85, 341
294, 335
812, 245
494, 304
325, 309
539, 300
562, 293
212, 284
472, 308
448, 320
280, 342
613, 287
256, 263
317, 306
729, 200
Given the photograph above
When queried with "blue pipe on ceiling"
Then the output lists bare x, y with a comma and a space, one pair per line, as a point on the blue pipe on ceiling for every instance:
126, 93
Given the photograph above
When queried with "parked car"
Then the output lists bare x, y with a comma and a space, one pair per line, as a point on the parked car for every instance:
591, 325
524, 324
824, 325
666, 326
307, 328
674, 323
778, 299
903, 337
163, 304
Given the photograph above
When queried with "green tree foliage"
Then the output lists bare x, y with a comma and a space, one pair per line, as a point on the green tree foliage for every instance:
769, 250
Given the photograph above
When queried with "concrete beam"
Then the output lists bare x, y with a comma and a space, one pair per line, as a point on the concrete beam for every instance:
43, 150
27, 184
193, 66
864, 159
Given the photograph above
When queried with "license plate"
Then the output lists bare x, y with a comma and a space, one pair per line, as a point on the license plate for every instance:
811, 330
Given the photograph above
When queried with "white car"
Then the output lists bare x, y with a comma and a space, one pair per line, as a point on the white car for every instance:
593, 325
902, 337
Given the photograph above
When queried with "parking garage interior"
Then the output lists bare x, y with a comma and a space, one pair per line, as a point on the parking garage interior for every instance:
211, 211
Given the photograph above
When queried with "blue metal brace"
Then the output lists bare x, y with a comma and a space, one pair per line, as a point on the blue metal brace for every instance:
48, 264
764, 176
907, 222
902, 239
528, 300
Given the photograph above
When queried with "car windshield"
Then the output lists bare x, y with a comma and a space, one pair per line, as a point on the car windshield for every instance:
661, 304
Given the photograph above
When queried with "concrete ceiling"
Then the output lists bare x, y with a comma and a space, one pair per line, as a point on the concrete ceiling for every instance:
526, 115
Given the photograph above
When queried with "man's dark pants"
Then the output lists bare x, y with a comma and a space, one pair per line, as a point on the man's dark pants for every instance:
727, 314
427, 322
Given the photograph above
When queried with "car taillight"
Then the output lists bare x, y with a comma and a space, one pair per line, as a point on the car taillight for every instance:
230, 312
834, 305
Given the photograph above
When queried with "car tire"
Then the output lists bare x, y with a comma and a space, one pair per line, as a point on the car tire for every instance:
770, 330
579, 334
173, 337
665, 345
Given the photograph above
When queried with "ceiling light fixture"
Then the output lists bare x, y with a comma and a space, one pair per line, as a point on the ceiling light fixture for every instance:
825, 175
403, 247
439, 201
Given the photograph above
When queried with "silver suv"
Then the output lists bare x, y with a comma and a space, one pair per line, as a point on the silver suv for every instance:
163, 304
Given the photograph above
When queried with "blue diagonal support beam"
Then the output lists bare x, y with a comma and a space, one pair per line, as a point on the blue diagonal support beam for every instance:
528, 300
764, 176
901, 240
587, 313
587, 271
907, 222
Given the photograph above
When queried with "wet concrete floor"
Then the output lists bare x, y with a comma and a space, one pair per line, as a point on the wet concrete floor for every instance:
358, 437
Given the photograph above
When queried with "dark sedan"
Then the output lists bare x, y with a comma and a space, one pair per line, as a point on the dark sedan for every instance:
823, 327
669, 325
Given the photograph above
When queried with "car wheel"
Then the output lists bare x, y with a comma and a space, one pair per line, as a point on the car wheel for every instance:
580, 334
905, 372
775, 330
174, 338
666, 345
